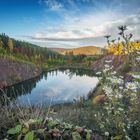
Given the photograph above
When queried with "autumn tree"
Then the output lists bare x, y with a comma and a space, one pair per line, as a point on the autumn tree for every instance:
127, 46
1, 44
10, 45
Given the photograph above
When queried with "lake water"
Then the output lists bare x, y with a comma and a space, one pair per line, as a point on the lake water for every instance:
60, 86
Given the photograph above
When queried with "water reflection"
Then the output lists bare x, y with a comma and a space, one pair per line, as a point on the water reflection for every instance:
63, 85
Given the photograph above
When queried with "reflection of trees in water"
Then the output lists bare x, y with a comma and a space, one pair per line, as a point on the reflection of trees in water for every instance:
23, 88
26, 87
72, 71
78, 72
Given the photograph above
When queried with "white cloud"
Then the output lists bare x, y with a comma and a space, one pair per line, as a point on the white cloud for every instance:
87, 32
89, 27
53, 4
40, 35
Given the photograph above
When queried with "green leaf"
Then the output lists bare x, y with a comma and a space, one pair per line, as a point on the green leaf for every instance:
67, 126
51, 124
88, 136
119, 137
15, 130
40, 131
25, 130
76, 136
29, 136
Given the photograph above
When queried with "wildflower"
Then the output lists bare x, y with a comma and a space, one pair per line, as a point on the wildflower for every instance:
121, 77
120, 87
138, 59
107, 66
116, 80
108, 90
138, 53
50, 119
132, 86
105, 70
100, 78
136, 121
114, 72
108, 61
118, 95
120, 109
107, 134
136, 76
98, 73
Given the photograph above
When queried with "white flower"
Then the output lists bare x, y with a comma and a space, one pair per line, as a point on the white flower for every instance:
138, 53
108, 90
98, 73
136, 76
100, 78
136, 121
114, 72
108, 61
116, 80
107, 66
138, 59
120, 87
118, 95
132, 86
121, 77
120, 109
106, 133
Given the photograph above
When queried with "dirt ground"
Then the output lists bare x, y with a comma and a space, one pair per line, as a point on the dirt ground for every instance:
12, 71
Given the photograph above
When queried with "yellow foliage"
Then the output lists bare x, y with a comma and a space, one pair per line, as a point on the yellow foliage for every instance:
120, 48
10, 45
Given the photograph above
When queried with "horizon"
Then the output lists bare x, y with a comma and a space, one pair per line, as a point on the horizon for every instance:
68, 24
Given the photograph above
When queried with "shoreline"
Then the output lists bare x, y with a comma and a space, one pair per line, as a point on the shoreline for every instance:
48, 70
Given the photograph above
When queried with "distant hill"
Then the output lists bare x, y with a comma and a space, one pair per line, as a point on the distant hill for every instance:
87, 50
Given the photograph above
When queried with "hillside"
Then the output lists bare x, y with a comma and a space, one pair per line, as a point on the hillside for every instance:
25, 50
87, 50
13, 71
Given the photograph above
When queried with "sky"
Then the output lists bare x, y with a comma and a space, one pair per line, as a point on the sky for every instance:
68, 23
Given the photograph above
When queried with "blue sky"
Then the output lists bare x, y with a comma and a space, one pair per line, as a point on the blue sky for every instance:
68, 23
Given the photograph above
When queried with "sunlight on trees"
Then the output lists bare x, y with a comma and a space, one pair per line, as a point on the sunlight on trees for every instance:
10, 45
125, 46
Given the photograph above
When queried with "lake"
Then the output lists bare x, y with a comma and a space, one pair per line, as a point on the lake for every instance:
58, 86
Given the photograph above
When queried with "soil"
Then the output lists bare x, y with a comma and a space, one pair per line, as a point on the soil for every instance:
117, 61
12, 71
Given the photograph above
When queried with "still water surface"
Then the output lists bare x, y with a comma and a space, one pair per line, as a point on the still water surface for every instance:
60, 86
